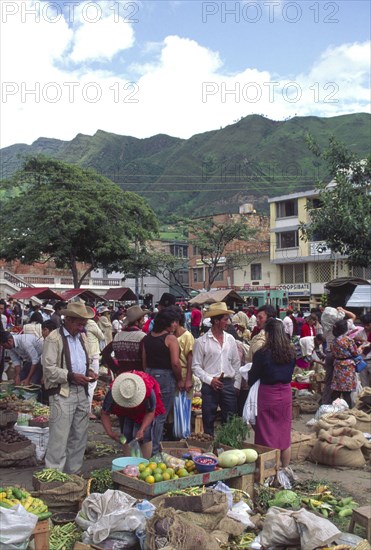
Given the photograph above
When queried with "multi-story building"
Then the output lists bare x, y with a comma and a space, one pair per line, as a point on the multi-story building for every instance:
303, 266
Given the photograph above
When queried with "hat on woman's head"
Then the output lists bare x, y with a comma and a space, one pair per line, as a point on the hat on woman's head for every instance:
219, 308
167, 300
128, 390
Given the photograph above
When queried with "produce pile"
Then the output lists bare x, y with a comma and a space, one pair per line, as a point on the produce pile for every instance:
63, 537
9, 436
50, 475
10, 496
154, 472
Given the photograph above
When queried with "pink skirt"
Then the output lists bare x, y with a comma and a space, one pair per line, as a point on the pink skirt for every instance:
273, 423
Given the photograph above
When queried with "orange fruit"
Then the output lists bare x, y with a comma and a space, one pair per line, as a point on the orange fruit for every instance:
147, 472
150, 479
170, 471
158, 477
182, 472
142, 466
152, 465
166, 476
158, 471
162, 465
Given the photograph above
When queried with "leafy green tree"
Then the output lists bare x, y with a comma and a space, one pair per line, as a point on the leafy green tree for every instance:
342, 216
71, 215
214, 242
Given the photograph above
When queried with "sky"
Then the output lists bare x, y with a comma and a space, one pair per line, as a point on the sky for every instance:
143, 68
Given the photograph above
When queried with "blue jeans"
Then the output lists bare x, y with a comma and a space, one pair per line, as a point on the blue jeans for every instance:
226, 398
166, 380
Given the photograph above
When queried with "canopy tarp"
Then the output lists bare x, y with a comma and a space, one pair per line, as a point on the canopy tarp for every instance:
361, 297
217, 296
342, 281
43, 293
83, 293
120, 295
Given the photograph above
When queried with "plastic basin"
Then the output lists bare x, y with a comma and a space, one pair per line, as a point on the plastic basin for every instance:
203, 468
120, 463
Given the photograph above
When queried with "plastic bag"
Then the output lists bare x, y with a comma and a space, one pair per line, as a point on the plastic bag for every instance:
16, 527
38, 436
135, 449
182, 415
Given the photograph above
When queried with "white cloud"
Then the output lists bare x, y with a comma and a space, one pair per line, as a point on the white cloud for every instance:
183, 90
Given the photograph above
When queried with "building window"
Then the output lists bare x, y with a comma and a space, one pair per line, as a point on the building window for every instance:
178, 250
287, 239
256, 272
219, 275
322, 272
361, 272
198, 275
286, 209
294, 273
181, 277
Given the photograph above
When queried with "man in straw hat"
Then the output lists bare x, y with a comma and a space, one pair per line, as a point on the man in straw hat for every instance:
217, 363
135, 399
66, 377
127, 345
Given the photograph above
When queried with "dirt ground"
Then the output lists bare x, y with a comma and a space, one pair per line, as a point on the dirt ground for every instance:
355, 483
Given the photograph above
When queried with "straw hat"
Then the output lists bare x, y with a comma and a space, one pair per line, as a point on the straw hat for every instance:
133, 314
219, 308
128, 390
78, 309
48, 307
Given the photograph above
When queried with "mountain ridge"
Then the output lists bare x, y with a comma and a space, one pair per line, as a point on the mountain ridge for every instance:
213, 171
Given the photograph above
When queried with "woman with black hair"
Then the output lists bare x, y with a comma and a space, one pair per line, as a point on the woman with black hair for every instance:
344, 350
273, 365
160, 360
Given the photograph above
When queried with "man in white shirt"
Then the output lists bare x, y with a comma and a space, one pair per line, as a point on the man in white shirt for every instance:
25, 352
216, 363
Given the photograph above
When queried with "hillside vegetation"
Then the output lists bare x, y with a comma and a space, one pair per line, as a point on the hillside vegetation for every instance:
212, 172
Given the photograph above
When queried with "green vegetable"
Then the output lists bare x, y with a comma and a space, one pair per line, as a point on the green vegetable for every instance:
233, 433
63, 537
43, 516
345, 512
101, 481
5, 504
286, 499
50, 474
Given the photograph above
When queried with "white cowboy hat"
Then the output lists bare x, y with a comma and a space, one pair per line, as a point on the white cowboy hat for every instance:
78, 309
48, 307
219, 308
133, 314
128, 390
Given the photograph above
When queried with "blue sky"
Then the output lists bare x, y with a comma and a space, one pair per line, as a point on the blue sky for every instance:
149, 67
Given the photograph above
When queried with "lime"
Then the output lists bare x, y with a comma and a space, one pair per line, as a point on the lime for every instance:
162, 465
150, 479
182, 472
142, 466
158, 477
158, 471
170, 471
166, 476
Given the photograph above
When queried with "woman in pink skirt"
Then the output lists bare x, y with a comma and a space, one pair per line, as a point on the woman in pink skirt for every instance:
273, 365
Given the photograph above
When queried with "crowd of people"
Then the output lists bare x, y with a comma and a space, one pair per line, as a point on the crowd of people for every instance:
153, 356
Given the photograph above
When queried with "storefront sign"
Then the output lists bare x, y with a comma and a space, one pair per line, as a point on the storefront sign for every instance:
296, 289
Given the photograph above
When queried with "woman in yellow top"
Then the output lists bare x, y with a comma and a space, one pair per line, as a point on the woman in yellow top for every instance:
186, 342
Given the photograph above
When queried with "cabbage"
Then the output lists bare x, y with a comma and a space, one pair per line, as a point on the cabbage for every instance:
286, 499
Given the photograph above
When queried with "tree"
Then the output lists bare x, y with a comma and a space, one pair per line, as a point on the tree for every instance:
214, 242
71, 215
342, 216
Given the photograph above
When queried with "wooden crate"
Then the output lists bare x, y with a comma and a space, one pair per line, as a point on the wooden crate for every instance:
174, 448
141, 489
267, 463
41, 535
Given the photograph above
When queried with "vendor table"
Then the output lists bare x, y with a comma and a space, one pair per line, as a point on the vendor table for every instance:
141, 489
41, 535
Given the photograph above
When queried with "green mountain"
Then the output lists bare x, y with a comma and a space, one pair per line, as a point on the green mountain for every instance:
212, 172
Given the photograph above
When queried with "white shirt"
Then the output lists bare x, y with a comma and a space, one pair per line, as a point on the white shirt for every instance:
27, 347
252, 322
288, 325
77, 353
210, 359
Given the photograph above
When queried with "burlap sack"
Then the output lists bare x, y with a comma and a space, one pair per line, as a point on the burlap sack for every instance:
69, 493
366, 450
169, 527
363, 420
341, 419
301, 445
308, 404
23, 458
339, 447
